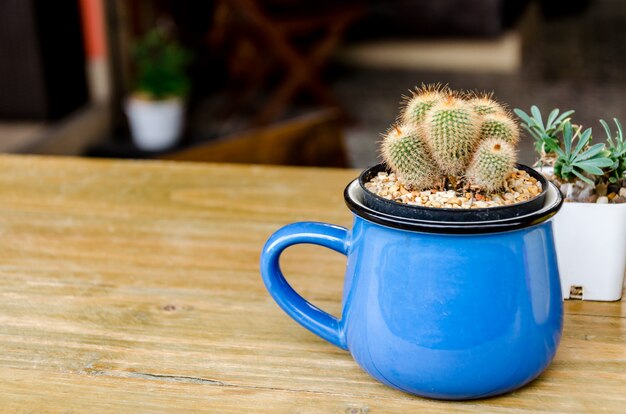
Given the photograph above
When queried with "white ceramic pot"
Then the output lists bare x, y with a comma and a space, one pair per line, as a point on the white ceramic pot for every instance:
155, 125
591, 249
590, 241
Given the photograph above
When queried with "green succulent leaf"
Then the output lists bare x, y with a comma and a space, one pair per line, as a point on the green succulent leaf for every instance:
568, 138
607, 130
552, 116
536, 114
545, 137
524, 117
575, 160
616, 149
575, 155
589, 167
584, 139
592, 152
560, 121
582, 177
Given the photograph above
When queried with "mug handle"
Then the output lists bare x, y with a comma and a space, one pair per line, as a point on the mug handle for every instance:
311, 317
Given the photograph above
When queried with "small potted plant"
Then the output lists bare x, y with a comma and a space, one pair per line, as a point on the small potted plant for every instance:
459, 147
591, 230
452, 288
156, 107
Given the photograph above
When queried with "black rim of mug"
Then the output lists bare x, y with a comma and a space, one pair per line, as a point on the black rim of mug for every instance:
455, 227
390, 207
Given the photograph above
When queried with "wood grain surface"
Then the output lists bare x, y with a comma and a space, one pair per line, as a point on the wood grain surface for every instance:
130, 287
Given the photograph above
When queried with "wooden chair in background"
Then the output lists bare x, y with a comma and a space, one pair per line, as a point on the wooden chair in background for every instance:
260, 42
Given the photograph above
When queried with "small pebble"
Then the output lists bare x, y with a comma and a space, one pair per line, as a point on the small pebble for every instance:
619, 200
622, 192
603, 200
591, 199
601, 189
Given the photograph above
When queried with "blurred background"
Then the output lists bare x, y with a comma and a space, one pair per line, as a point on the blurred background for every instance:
294, 82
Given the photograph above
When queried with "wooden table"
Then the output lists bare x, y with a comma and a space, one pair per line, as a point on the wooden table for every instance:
134, 287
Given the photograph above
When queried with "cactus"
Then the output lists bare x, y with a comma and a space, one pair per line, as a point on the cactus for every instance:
499, 126
451, 130
445, 134
484, 105
407, 154
493, 161
422, 100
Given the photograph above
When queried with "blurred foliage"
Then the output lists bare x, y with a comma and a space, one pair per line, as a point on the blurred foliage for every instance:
160, 63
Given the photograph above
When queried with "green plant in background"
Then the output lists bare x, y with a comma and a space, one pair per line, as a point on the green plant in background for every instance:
160, 63
454, 136
569, 150
545, 136
617, 151
576, 160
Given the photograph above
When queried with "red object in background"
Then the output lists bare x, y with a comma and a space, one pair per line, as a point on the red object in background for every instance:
94, 41
92, 17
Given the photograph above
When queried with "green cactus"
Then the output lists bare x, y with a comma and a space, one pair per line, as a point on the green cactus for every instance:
484, 105
493, 161
406, 154
445, 134
421, 101
451, 130
499, 126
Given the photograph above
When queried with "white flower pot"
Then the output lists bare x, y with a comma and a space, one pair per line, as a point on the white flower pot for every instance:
591, 250
155, 125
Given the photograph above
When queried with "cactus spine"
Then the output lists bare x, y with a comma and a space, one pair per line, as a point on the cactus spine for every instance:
444, 134
407, 154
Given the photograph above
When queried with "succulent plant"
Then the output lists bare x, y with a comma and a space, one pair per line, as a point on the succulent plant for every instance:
544, 135
577, 160
617, 151
446, 134
569, 150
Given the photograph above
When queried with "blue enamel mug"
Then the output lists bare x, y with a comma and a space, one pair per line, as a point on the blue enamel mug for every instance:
442, 310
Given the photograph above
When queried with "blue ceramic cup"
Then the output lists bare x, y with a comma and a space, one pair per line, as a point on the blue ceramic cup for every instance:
441, 310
